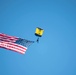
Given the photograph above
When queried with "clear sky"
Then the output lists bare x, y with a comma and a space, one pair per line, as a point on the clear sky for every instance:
55, 54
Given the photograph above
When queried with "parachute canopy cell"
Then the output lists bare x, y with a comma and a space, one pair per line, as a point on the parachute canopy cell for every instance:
39, 32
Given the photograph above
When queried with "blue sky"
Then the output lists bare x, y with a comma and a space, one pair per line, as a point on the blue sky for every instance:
55, 54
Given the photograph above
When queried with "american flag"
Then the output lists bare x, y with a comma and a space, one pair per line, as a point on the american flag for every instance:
14, 43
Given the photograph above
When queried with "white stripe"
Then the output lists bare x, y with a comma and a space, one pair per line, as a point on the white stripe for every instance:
12, 47
9, 44
23, 47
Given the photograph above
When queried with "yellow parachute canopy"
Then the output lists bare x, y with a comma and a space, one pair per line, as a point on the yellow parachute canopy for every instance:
39, 32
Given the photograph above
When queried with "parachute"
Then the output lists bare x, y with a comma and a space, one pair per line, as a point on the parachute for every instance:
39, 33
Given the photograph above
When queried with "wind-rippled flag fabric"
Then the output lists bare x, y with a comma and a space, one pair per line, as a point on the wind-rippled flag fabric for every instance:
14, 43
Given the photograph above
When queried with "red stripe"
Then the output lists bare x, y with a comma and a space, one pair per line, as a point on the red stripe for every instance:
11, 46
1, 34
5, 37
8, 40
14, 50
17, 45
